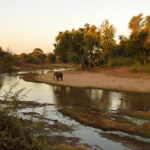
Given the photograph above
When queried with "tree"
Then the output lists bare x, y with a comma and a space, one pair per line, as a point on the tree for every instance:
84, 45
62, 45
52, 58
107, 39
38, 55
92, 41
140, 36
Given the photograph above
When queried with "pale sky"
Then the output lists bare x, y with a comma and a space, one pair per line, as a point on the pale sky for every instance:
28, 24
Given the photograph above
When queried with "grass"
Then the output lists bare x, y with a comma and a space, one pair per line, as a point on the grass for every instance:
139, 115
104, 122
136, 67
119, 61
148, 68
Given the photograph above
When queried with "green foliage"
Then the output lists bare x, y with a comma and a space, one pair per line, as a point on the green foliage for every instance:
120, 61
81, 46
38, 56
15, 60
52, 58
136, 67
5, 61
148, 68
72, 46
15, 133
74, 57
139, 38
27, 58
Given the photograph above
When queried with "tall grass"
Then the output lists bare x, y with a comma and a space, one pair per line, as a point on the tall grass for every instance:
148, 68
136, 67
119, 61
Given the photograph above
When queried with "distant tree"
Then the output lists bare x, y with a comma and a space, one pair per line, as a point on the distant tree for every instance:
38, 55
62, 45
85, 45
52, 58
27, 58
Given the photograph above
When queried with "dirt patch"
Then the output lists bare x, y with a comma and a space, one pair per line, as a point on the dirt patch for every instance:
29, 77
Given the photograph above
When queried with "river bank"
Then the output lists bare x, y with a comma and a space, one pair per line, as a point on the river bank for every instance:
117, 79
111, 122
30, 66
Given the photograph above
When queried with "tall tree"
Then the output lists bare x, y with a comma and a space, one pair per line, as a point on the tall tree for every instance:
140, 36
92, 40
107, 38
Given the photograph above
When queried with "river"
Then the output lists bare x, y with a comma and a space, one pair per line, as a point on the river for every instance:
69, 97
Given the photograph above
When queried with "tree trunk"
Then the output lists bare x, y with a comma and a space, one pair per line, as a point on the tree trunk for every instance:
142, 55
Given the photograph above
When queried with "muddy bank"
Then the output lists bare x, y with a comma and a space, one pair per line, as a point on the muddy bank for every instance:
129, 142
23, 104
107, 121
45, 129
28, 67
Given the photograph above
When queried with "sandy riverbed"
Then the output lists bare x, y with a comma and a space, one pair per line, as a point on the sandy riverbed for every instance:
115, 79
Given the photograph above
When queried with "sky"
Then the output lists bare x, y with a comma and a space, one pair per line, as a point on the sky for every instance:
29, 24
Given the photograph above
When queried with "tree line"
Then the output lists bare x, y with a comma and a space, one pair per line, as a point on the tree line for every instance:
9, 60
94, 46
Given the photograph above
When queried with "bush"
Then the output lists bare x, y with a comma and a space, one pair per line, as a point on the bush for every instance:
15, 60
120, 61
136, 67
74, 57
52, 58
16, 133
148, 68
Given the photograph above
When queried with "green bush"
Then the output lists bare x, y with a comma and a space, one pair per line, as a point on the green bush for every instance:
148, 68
16, 133
52, 58
120, 61
136, 67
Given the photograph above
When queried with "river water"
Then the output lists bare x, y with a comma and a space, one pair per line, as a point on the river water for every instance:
70, 97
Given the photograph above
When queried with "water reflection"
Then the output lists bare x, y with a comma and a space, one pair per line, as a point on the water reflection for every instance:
71, 96
1, 81
88, 98
101, 99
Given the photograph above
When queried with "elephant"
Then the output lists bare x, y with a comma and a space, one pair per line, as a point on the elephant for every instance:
58, 75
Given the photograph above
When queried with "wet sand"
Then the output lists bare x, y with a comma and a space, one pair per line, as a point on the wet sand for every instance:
120, 79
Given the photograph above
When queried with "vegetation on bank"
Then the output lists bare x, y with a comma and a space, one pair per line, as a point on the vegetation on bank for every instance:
109, 121
92, 46
95, 46
12, 62
17, 133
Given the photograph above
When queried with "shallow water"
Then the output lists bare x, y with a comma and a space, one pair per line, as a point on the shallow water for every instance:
70, 97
